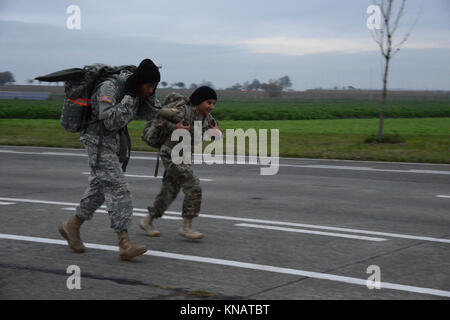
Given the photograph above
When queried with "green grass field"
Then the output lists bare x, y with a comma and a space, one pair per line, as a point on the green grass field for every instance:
267, 109
308, 109
426, 139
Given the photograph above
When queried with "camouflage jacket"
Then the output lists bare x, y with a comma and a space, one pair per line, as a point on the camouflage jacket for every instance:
177, 107
116, 110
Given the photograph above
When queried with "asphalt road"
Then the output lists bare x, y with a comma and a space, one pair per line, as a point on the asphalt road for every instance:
309, 232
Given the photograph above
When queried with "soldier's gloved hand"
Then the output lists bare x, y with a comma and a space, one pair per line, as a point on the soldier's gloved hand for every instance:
180, 125
213, 125
131, 86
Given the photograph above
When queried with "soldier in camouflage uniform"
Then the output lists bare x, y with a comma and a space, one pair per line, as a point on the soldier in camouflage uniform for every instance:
180, 113
115, 102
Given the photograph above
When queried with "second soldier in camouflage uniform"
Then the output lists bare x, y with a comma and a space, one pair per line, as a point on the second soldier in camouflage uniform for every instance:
115, 102
180, 113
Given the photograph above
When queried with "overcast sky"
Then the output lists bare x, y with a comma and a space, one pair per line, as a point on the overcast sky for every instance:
320, 43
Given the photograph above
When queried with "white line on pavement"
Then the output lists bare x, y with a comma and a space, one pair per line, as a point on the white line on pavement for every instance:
291, 224
149, 177
6, 203
364, 169
332, 234
286, 158
40, 201
442, 196
71, 154
355, 168
134, 214
341, 235
313, 226
244, 265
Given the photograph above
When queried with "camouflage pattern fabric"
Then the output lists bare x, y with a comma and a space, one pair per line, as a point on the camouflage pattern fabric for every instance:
107, 183
116, 110
177, 107
178, 176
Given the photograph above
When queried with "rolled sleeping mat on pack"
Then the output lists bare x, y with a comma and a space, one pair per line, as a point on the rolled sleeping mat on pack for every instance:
73, 74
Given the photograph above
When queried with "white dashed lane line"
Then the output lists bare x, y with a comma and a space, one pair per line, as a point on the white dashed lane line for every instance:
134, 214
148, 177
257, 221
321, 233
6, 203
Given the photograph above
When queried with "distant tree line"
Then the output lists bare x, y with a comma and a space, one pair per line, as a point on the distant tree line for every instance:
273, 88
182, 85
6, 78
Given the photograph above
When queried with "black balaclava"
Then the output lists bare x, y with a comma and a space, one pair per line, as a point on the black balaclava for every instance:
201, 94
147, 72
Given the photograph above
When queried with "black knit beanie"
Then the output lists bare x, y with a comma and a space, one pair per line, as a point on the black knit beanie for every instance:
147, 72
201, 94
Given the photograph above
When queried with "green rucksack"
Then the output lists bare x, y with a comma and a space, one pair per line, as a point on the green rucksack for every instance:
155, 131
79, 85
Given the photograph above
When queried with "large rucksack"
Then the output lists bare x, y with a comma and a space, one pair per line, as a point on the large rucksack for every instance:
155, 132
78, 87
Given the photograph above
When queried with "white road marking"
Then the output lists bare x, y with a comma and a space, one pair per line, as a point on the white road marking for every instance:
341, 235
148, 177
244, 265
40, 201
6, 203
71, 154
142, 158
272, 222
134, 214
166, 212
364, 169
286, 158
442, 196
331, 234
355, 168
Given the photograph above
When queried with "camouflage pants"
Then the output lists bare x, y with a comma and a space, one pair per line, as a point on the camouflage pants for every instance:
177, 177
107, 183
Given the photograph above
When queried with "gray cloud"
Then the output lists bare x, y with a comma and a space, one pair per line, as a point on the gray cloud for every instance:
203, 40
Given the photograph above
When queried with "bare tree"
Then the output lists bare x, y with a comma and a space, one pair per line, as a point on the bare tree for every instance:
384, 38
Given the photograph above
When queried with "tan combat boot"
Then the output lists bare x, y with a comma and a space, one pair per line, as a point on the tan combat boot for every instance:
146, 224
187, 232
128, 249
71, 232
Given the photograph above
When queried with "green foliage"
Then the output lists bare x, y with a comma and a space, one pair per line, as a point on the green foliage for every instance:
308, 109
266, 109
